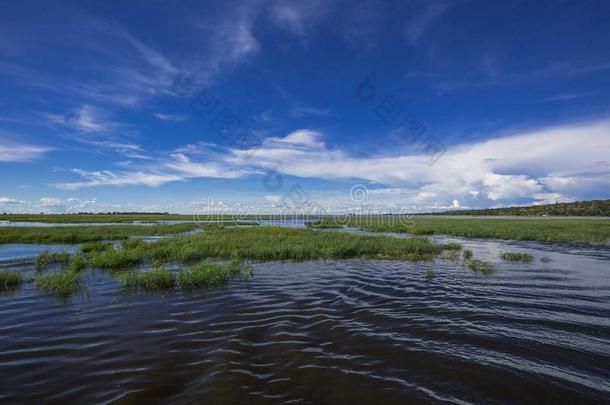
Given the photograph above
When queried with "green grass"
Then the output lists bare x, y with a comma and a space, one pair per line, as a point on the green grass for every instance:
323, 225
545, 259
429, 273
480, 266
158, 279
269, 243
10, 279
64, 284
206, 274
130, 217
467, 254
77, 263
82, 234
46, 258
540, 229
517, 257
89, 247
203, 274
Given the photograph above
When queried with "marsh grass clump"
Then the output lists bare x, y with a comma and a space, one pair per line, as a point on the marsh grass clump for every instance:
480, 266
268, 243
77, 263
113, 259
545, 259
10, 279
158, 279
517, 257
429, 273
91, 247
467, 254
46, 258
206, 274
64, 284
132, 243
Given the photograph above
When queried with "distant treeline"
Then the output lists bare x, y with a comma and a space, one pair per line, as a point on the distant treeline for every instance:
595, 208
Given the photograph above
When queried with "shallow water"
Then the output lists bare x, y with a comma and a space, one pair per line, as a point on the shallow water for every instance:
326, 332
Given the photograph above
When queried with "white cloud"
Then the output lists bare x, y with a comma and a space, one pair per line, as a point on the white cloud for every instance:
11, 201
17, 152
170, 117
50, 202
536, 165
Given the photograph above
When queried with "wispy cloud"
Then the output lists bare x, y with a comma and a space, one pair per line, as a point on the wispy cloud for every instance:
424, 17
11, 201
12, 151
170, 117
565, 97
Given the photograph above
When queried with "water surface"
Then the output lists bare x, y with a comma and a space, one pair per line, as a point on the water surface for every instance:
359, 331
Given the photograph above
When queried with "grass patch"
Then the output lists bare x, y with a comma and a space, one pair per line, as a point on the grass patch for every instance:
269, 243
10, 279
429, 273
121, 259
46, 258
545, 259
467, 254
77, 263
89, 247
63, 284
82, 234
323, 225
517, 257
206, 274
158, 279
539, 229
480, 266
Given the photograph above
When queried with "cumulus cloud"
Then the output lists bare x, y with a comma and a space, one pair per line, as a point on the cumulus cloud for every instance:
11, 201
50, 202
537, 165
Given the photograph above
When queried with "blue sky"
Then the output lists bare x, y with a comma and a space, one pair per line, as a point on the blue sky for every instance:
256, 106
